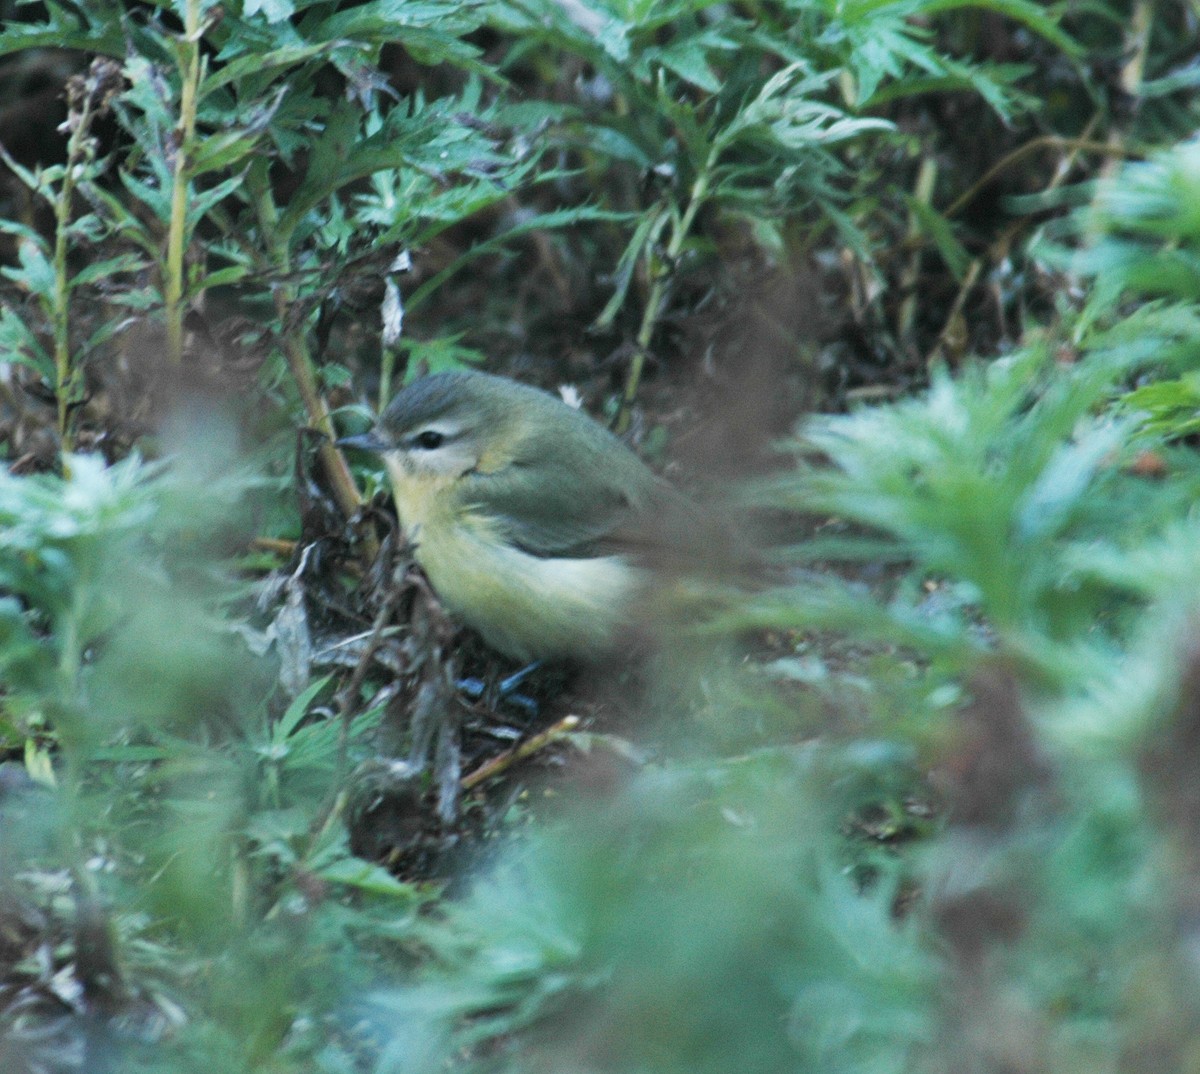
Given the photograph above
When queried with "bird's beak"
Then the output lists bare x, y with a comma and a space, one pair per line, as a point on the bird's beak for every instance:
364, 442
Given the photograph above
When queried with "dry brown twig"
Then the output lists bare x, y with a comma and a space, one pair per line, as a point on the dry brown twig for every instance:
502, 762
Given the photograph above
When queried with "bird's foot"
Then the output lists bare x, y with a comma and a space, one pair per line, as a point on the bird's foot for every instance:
505, 690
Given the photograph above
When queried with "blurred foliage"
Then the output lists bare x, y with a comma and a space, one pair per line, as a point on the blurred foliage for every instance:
921, 799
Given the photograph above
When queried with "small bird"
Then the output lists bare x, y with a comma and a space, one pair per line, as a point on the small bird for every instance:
534, 524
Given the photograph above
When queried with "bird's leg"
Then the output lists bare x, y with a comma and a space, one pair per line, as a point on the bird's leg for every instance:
473, 687
507, 685
505, 689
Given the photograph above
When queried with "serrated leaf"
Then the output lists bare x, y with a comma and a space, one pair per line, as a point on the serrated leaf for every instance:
218, 151
298, 709
560, 218
1066, 478
220, 278
443, 354
99, 270
616, 145
22, 231
1034, 16
66, 30
688, 60
272, 10
29, 179
938, 228
18, 344
327, 166
257, 63
645, 235
203, 201
113, 326
36, 273
155, 198
365, 876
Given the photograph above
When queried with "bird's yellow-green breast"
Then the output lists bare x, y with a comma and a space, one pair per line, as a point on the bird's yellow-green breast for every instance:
521, 509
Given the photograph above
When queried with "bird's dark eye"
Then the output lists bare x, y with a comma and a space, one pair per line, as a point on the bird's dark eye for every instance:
428, 440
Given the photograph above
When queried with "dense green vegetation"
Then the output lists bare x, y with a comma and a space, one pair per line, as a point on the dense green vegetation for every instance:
914, 284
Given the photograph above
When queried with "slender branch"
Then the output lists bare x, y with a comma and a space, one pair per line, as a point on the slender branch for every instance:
347, 698
177, 235
1049, 141
347, 706
681, 227
274, 545
1080, 145
502, 762
341, 480
910, 273
295, 349
78, 150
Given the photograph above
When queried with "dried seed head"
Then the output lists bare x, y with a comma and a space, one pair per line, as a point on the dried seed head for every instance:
94, 92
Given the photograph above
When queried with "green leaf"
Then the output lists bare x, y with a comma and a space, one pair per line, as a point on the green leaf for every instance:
34, 181
109, 329
1028, 14
432, 31
219, 151
224, 277
938, 228
559, 218
78, 28
442, 354
36, 273
367, 877
259, 65
112, 266
1171, 408
272, 10
201, 202
23, 232
155, 197
688, 60
644, 237
19, 344
298, 709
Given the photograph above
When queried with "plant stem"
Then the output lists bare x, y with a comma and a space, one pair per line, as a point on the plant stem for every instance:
910, 273
295, 349
387, 367
173, 285
60, 314
345, 490
681, 226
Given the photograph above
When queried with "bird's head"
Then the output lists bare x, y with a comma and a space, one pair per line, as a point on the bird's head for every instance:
444, 426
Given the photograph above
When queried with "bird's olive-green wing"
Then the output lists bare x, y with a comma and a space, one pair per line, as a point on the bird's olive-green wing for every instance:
577, 493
